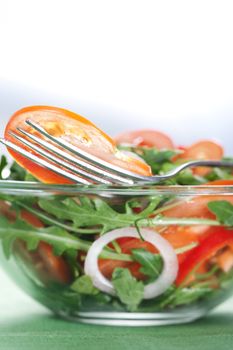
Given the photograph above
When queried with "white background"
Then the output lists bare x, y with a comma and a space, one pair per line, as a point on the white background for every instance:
124, 64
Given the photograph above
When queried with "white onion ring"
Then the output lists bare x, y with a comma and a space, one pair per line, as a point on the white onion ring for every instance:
165, 279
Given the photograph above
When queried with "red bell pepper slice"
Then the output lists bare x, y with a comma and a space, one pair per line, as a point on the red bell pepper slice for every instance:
217, 238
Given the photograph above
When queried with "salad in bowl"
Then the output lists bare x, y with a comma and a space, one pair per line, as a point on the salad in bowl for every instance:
117, 254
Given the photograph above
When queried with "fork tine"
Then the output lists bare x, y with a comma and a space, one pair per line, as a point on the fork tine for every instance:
74, 160
103, 165
44, 163
58, 161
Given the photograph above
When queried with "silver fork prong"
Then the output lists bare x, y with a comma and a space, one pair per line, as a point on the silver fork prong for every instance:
59, 161
103, 165
79, 162
44, 163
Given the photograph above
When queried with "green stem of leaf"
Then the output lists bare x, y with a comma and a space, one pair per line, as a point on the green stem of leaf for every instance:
47, 219
163, 221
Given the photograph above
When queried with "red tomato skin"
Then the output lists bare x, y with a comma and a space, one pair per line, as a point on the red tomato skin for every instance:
146, 138
73, 128
197, 206
18, 119
203, 150
55, 266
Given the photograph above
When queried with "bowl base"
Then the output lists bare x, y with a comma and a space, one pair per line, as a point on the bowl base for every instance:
134, 319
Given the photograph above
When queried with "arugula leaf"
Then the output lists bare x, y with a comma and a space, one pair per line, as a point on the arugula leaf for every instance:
219, 174
3, 164
156, 158
95, 212
46, 219
128, 289
186, 177
223, 211
17, 172
57, 237
30, 177
152, 156
188, 295
179, 296
152, 264
84, 285
161, 162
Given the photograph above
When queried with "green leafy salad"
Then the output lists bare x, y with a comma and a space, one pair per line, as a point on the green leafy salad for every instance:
118, 249
64, 228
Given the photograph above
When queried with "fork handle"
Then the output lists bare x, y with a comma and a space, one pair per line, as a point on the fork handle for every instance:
177, 170
194, 163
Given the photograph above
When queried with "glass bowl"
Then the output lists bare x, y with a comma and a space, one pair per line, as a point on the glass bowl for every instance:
170, 260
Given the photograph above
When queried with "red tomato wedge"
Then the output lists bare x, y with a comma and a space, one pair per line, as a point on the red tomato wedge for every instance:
197, 206
217, 238
181, 236
75, 129
52, 267
147, 138
30, 218
225, 260
220, 183
205, 150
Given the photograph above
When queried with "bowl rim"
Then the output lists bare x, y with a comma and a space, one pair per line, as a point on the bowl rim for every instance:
38, 188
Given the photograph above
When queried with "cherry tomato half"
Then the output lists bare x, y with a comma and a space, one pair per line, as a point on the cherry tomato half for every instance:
147, 137
204, 150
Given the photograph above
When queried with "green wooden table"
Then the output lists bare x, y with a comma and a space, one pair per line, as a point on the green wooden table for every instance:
24, 324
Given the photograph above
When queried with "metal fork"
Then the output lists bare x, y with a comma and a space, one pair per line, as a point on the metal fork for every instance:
81, 167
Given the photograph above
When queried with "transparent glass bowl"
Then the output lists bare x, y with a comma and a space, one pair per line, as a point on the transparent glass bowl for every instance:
50, 279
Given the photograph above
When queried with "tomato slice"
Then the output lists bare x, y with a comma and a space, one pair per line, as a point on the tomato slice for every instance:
30, 218
51, 268
54, 268
74, 129
220, 183
146, 137
225, 260
217, 238
181, 236
197, 206
205, 150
